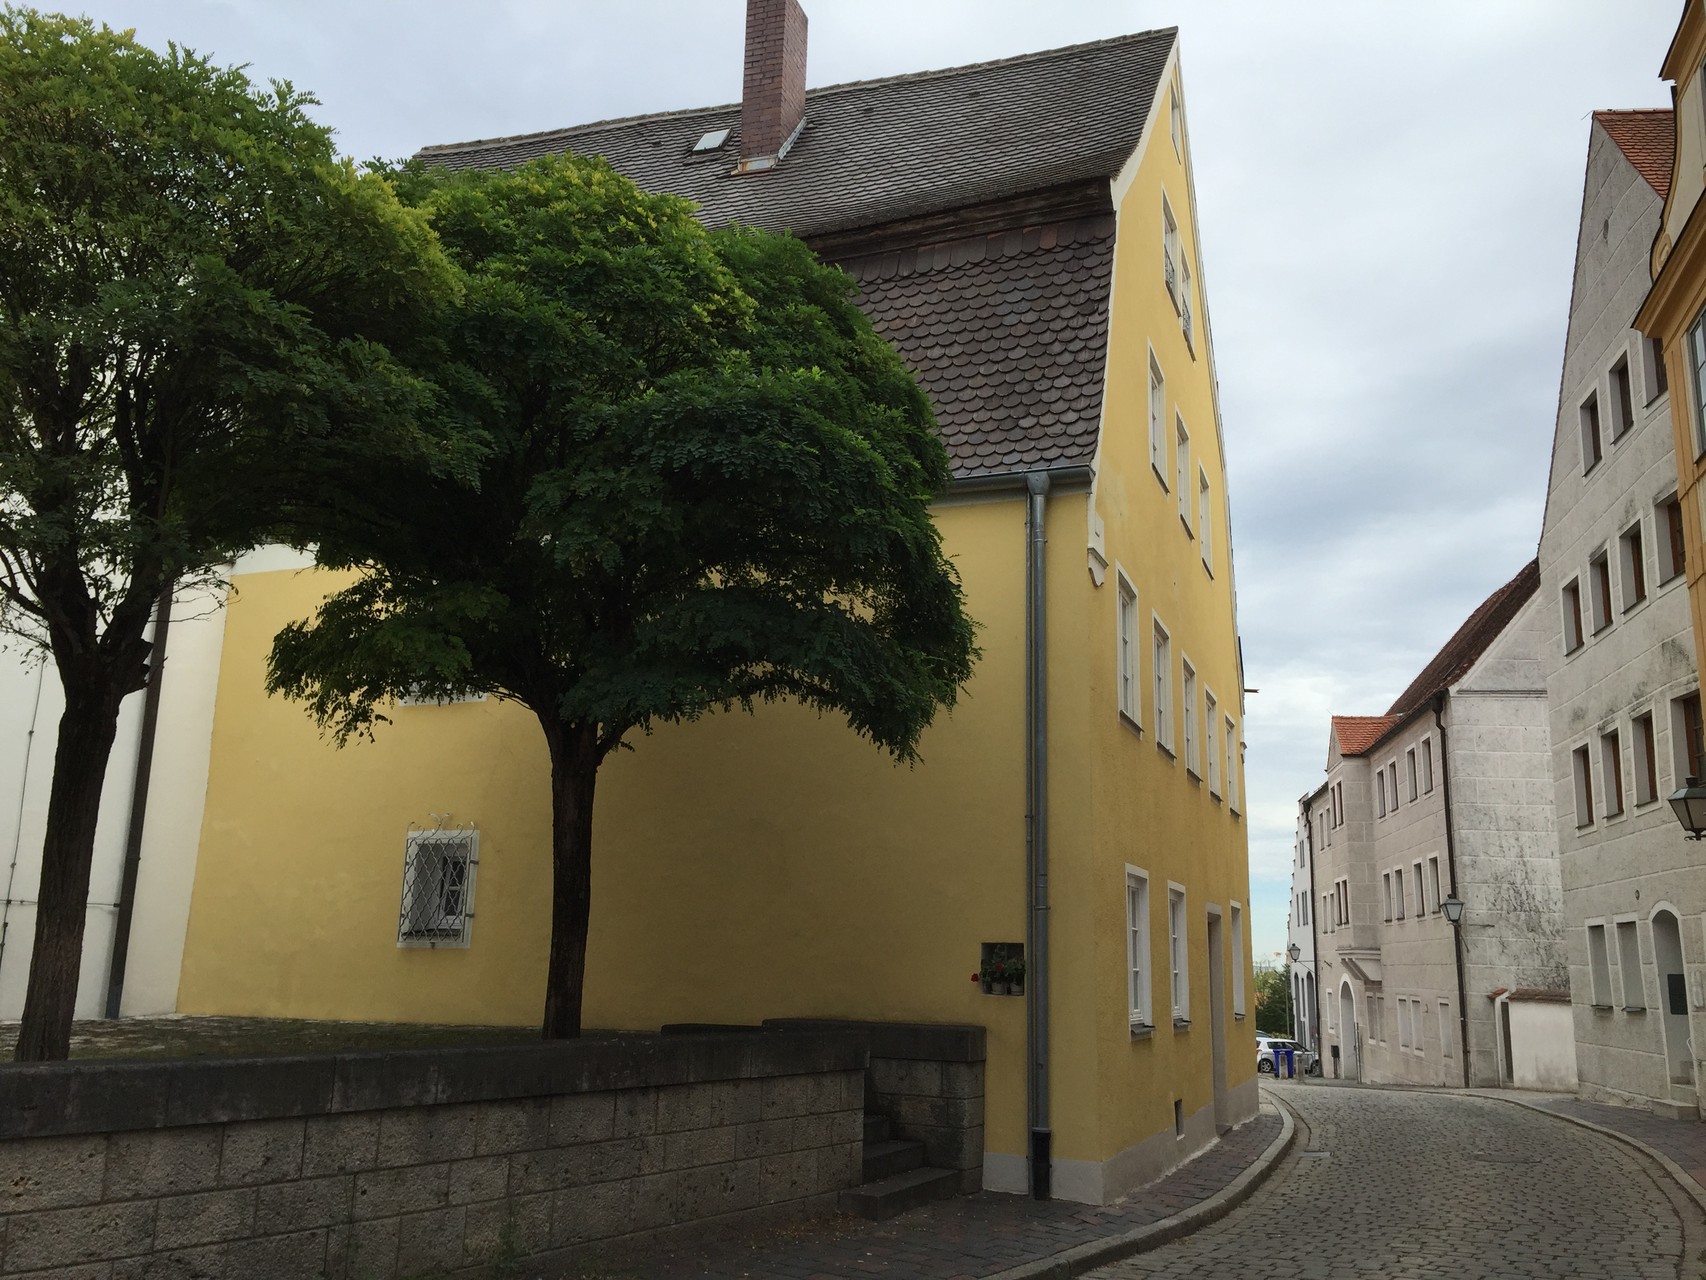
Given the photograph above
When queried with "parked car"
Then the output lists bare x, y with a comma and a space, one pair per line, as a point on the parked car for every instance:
1266, 1064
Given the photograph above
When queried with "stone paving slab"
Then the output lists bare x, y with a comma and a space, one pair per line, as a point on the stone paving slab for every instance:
1683, 1142
983, 1235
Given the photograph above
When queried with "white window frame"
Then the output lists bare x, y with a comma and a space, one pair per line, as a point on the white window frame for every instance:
1433, 881
1211, 738
1205, 520
1188, 691
1570, 614
1611, 773
1421, 889
1645, 725
1695, 349
1591, 425
1599, 964
1157, 419
1400, 895
1427, 765
1176, 120
1380, 793
1445, 1037
1162, 676
1632, 567
1233, 761
1581, 771
1128, 656
419, 923
1622, 406
1410, 771
1236, 916
1171, 251
1631, 982
1386, 893
1138, 953
1182, 469
1179, 951
1601, 612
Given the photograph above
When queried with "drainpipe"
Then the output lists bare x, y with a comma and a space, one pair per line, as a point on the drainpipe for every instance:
1314, 925
1036, 842
139, 801
1451, 869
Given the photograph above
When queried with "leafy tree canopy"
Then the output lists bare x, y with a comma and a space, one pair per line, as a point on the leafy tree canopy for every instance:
207, 328
704, 484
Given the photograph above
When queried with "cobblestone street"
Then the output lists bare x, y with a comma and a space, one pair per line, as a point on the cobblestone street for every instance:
1399, 1185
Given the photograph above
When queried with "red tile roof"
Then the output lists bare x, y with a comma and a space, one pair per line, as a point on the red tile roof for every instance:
1470, 641
1356, 734
1648, 138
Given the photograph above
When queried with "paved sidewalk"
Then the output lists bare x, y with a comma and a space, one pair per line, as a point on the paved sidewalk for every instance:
973, 1236
1683, 1141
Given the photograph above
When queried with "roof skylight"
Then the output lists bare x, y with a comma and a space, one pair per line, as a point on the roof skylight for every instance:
712, 140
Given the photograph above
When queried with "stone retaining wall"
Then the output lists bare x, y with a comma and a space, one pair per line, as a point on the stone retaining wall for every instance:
374, 1166
927, 1078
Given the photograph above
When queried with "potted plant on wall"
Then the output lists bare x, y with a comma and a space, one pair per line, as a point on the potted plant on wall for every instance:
1015, 966
995, 974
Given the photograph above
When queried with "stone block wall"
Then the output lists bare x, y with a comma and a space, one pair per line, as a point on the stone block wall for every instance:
927, 1078
381, 1166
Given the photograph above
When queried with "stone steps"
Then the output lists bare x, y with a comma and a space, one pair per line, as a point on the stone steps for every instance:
900, 1192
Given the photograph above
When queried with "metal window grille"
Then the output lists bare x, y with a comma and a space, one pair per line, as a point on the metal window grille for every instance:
439, 866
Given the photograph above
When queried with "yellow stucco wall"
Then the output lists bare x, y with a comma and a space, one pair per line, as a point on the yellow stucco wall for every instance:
1168, 824
775, 865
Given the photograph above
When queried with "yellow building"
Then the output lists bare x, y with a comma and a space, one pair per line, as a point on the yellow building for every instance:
1025, 233
1674, 313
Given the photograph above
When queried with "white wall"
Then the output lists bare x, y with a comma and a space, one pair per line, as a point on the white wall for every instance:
30, 705
1543, 1044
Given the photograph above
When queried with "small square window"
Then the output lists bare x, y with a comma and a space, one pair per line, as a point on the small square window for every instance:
1581, 770
1599, 577
1622, 399
438, 887
1673, 558
1599, 965
1646, 759
1632, 566
1592, 449
1571, 599
1611, 769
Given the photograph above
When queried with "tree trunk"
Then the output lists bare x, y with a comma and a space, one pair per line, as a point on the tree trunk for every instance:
574, 777
86, 732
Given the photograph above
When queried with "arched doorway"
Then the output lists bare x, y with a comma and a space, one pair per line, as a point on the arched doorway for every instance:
1673, 995
1347, 1032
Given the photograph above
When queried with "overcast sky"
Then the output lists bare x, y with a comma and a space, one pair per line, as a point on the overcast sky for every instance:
1388, 200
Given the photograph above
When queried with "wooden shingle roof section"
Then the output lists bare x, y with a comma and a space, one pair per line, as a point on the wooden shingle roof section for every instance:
1648, 138
1356, 734
1470, 640
881, 151
973, 206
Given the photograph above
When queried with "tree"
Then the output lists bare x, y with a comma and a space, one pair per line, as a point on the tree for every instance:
1273, 1000
197, 305
706, 485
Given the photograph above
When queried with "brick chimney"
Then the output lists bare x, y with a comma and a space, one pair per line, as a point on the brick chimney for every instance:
773, 97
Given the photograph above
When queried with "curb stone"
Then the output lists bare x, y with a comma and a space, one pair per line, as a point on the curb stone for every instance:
1086, 1257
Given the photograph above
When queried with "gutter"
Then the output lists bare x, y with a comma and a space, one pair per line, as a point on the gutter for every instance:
1016, 481
139, 802
1037, 486
1451, 868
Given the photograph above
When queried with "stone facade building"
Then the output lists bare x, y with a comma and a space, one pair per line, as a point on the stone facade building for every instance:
1300, 933
1621, 677
1447, 793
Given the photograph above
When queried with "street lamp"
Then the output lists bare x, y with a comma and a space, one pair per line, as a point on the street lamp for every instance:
1689, 803
1294, 951
1452, 908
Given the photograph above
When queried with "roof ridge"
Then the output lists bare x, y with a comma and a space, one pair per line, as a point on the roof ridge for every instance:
844, 86
1634, 111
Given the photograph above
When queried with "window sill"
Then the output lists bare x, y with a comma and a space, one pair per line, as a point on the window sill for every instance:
1603, 1008
1165, 750
1634, 1008
1630, 608
1665, 582
1602, 628
1237, 1017
1181, 1024
1133, 725
1159, 478
1186, 526
1193, 775
1575, 649
1141, 1031
1584, 826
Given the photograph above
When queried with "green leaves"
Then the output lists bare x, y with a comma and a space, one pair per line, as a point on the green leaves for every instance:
703, 483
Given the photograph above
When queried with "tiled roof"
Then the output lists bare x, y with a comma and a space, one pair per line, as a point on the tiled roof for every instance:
1648, 138
1470, 640
879, 151
1007, 334
1356, 734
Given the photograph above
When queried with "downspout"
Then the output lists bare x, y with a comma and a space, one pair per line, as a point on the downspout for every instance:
1036, 833
1314, 926
139, 801
1451, 869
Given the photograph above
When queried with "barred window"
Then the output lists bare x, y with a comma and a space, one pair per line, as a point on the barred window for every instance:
438, 887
